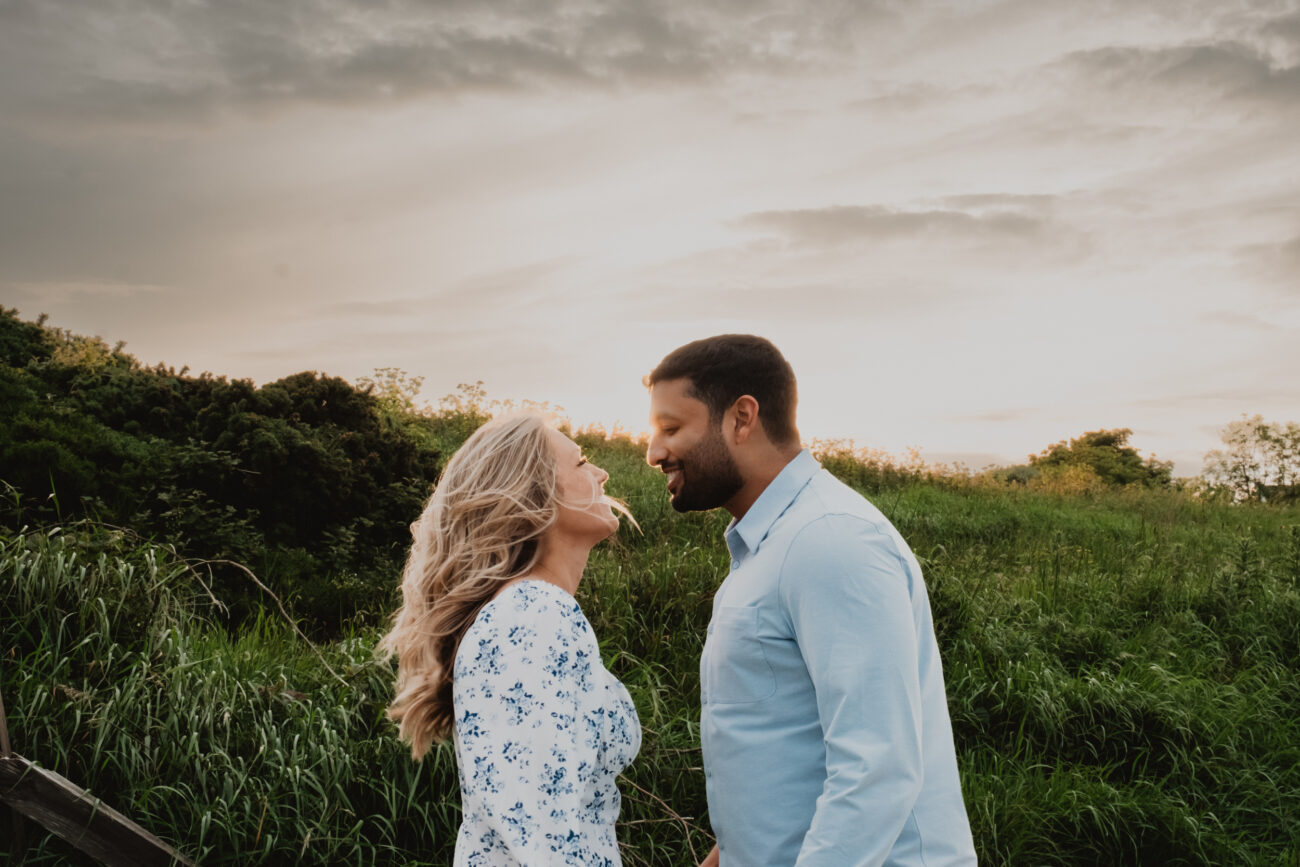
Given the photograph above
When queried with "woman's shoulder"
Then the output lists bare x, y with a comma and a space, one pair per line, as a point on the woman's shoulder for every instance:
536, 596
536, 601
526, 612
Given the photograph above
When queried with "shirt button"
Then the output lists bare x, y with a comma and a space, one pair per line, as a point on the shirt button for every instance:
735, 564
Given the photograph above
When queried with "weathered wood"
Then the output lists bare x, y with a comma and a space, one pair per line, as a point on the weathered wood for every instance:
17, 833
80, 818
4, 731
8, 815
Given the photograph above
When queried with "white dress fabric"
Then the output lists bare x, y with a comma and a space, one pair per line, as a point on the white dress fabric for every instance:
542, 732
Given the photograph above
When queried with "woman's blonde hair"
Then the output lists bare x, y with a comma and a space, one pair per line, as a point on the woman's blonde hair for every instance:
481, 528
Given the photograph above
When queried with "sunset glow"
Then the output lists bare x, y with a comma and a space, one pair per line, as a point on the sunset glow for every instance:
977, 228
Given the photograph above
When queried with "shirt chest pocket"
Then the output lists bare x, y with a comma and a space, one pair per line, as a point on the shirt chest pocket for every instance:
735, 669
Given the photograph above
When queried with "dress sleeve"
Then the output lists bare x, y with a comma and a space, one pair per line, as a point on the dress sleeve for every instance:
847, 593
524, 745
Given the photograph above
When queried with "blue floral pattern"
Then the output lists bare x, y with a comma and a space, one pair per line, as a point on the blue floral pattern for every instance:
542, 732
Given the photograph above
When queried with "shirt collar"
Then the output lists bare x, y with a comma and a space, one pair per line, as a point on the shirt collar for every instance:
745, 535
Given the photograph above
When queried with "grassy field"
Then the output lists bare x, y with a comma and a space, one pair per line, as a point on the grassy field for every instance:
1122, 672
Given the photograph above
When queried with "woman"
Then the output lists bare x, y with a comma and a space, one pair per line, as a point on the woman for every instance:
493, 650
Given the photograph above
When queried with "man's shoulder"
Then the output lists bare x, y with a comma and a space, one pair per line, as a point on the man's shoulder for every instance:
827, 500
831, 525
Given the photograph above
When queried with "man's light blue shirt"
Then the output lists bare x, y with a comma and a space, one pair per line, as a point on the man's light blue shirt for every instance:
824, 720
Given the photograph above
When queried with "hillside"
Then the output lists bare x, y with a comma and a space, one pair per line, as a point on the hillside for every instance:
1123, 665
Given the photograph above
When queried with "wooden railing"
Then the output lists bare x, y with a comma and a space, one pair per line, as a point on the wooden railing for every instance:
74, 814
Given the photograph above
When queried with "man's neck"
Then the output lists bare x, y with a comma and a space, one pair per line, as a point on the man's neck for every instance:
757, 478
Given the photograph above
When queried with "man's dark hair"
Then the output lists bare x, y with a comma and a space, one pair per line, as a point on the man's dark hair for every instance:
723, 368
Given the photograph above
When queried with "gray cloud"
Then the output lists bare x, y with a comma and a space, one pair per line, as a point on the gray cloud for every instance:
816, 302
1238, 319
362, 343
799, 303
61, 293
1220, 398
496, 291
843, 224
1286, 261
150, 59
1286, 29
390, 307
81, 212
137, 61
1230, 70
911, 96
1039, 203
1276, 263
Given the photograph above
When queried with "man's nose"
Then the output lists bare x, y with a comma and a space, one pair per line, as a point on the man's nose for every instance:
654, 452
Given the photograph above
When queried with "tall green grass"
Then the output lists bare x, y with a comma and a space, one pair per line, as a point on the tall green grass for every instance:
238, 749
1121, 669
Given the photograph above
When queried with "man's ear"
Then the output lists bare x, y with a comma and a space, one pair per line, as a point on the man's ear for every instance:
743, 418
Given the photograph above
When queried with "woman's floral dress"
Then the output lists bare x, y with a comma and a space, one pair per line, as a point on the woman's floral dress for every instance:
542, 731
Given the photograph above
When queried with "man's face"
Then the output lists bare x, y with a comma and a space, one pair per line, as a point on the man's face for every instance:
701, 472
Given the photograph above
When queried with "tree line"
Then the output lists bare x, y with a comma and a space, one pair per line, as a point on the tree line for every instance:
306, 480
312, 481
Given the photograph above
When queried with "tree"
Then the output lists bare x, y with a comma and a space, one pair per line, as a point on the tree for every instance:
394, 388
307, 479
1107, 454
1260, 460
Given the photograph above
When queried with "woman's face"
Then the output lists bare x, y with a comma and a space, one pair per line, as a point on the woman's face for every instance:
584, 510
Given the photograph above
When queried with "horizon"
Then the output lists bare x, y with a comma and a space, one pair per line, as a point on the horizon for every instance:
424, 403
977, 228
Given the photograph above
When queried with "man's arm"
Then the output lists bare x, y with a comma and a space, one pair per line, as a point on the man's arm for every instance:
847, 593
711, 859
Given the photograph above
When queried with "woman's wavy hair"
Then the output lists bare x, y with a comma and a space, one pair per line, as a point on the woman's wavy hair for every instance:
481, 528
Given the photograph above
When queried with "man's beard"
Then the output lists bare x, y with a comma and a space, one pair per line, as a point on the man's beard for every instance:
710, 477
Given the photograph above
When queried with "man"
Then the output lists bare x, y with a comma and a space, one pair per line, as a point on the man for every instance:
824, 722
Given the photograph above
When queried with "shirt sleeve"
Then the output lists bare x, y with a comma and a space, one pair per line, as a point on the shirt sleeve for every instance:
848, 595
524, 744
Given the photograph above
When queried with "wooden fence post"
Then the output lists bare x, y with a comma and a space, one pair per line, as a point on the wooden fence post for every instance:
18, 840
75, 815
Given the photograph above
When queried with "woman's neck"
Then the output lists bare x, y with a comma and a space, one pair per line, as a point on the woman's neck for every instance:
561, 565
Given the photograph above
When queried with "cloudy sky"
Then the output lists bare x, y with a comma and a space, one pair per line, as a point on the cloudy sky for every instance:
973, 227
